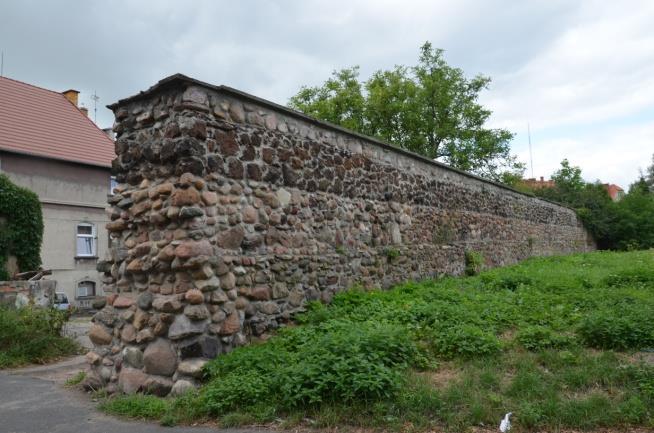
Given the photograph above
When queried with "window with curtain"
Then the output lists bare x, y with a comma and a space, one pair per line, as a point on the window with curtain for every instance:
86, 240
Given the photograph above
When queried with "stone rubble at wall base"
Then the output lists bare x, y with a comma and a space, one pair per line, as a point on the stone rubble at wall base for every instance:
232, 213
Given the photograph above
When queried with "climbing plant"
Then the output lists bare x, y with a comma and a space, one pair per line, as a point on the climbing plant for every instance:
21, 227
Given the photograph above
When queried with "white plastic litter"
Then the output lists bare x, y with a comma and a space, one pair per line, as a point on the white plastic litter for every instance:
505, 424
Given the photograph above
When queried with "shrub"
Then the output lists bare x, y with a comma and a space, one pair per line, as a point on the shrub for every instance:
644, 378
332, 362
392, 254
630, 278
474, 262
22, 230
536, 338
466, 341
619, 329
32, 335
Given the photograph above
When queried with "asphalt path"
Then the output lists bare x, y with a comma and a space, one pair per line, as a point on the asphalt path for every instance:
31, 404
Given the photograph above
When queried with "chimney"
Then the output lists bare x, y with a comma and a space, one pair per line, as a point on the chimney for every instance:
84, 110
542, 179
71, 95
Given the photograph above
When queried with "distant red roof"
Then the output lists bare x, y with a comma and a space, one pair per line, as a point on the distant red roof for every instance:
42, 122
615, 192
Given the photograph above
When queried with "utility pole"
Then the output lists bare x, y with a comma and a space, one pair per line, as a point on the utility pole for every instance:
531, 158
95, 98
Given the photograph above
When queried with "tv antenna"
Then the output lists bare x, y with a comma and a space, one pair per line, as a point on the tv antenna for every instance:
95, 98
2, 64
531, 158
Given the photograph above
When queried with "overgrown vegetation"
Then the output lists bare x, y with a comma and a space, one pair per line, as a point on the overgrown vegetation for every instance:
474, 262
32, 335
21, 227
554, 340
624, 225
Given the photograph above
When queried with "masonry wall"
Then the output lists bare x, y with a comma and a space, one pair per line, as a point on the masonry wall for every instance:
16, 294
233, 212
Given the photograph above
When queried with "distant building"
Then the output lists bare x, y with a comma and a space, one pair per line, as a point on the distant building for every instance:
49, 145
615, 192
538, 184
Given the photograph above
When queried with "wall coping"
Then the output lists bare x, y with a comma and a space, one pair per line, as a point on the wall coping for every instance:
181, 79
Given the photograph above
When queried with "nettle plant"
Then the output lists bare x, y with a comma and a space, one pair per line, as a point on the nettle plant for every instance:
21, 227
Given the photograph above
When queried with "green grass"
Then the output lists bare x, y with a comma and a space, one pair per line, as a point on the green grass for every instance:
553, 340
32, 335
76, 379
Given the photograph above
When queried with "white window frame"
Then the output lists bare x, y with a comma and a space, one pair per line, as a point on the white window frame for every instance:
85, 283
90, 237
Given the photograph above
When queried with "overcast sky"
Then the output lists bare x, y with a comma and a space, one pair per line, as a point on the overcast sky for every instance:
580, 73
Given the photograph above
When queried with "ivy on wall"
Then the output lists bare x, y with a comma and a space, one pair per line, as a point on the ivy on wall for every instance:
21, 227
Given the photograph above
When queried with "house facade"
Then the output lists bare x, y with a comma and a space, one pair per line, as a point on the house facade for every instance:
614, 191
49, 145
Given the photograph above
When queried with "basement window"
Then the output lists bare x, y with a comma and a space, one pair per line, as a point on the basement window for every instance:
86, 289
86, 245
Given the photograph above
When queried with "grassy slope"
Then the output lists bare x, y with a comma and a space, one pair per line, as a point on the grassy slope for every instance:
554, 340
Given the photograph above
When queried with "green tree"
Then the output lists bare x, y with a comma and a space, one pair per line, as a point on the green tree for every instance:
627, 224
641, 185
634, 222
431, 108
338, 101
568, 178
649, 176
590, 200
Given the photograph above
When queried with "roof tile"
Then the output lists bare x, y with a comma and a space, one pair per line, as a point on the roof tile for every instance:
42, 122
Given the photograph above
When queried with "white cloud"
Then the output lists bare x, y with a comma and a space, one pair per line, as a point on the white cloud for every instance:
600, 68
613, 155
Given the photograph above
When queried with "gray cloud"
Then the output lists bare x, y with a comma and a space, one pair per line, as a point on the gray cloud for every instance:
554, 63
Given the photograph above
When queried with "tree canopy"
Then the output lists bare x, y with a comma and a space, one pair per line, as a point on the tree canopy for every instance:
648, 177
626, 224
431, 109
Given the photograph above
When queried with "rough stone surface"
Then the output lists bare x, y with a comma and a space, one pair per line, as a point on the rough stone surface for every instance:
181, 387
133, 356
131, 380
192, 367
160, 358
157, 385
167, 304
194, 296
99, 335
184, 327
231, 214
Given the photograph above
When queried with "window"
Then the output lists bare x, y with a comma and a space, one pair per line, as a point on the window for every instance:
85, 289
85, 240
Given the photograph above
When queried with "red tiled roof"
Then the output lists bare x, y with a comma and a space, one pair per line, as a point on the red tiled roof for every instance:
613, 190
42, 122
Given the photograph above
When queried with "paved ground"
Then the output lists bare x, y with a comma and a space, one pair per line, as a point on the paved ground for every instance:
34, 400
77, 328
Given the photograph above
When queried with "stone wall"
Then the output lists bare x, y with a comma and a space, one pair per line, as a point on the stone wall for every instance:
233, 212
16, 294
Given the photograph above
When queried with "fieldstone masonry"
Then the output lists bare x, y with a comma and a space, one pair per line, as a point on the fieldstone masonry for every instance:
233, 212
